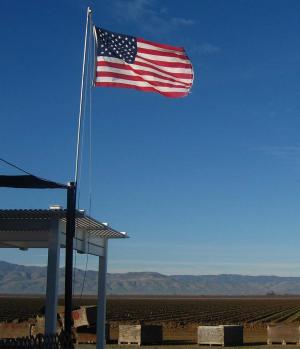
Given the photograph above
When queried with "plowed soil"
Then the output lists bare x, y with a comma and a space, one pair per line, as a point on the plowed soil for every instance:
179, 316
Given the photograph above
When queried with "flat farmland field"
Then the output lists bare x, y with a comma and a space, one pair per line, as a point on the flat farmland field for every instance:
179, 316
206, 311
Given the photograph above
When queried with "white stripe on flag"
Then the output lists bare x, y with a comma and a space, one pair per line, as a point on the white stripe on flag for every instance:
163, 58
167, 69
157, 48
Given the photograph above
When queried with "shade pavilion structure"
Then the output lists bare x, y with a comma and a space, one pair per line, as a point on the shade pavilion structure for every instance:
41, 228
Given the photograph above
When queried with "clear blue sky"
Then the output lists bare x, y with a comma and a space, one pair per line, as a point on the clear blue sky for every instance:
204, 185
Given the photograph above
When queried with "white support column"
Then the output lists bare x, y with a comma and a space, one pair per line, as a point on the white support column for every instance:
52, 278
101, 304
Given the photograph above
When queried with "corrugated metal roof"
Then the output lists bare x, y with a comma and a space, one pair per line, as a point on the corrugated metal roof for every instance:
26, 218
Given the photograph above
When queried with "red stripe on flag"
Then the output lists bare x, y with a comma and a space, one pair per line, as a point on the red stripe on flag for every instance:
138, 78
164, 63
129, 67
145, 89
158, 69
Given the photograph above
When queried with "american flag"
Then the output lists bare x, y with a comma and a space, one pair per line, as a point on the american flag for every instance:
130, 62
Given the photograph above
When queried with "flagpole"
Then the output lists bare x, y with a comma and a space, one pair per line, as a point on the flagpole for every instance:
71, 203
88, 16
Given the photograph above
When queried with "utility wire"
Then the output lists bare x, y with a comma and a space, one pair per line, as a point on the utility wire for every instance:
16, 167
79, 181
87, 94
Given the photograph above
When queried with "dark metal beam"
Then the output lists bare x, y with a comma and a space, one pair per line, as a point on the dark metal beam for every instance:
70, 232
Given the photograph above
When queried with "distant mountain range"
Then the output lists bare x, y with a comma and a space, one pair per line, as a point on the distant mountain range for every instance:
20, 279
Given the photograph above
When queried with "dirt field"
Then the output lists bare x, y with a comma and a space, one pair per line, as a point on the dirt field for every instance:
179, 316
189, 346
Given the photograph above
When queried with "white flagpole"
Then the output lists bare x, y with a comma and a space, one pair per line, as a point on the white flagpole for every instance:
88, 17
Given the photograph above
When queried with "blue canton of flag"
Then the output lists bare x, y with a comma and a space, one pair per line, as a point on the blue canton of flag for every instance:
116, 45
